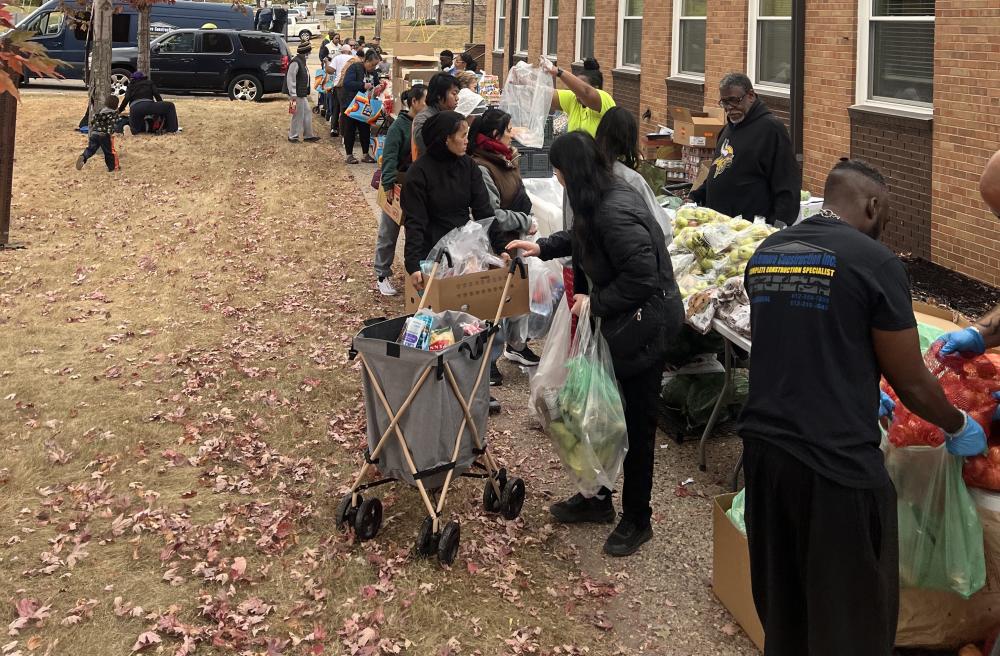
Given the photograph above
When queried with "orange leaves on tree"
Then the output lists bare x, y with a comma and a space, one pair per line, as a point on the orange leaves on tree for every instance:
18, 55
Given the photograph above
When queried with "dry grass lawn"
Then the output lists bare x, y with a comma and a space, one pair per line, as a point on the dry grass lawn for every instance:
179, 417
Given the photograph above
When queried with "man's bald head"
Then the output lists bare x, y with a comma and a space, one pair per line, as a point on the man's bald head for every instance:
858, 194
989, 184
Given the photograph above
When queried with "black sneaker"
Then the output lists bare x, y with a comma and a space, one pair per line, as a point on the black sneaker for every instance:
495, 406
578, 509
627, 537
524, 357
496, 378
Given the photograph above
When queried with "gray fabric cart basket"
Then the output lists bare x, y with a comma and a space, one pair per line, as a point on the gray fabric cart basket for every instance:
431, 424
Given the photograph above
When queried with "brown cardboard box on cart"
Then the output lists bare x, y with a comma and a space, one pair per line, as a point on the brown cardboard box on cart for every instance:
700, 129
731, 570
475, 293
657, 146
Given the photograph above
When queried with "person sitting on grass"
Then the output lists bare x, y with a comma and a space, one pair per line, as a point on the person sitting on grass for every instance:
143, 99
100, 137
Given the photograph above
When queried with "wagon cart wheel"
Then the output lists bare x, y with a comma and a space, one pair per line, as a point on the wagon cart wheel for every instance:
345, 513
491, 502
368, 519
513, 498
448, 544
426, 540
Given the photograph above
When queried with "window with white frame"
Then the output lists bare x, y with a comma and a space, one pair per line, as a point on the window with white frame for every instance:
689, 38
585, 29
770, 51
523, 27
896, 52
501, 32
551, 35
630, 28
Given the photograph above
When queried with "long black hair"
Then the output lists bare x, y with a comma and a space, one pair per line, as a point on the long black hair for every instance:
440, 85
618, 137
586, 173
592, 73
492, 124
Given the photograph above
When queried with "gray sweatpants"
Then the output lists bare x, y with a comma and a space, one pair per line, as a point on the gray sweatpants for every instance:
302, 120
385, 246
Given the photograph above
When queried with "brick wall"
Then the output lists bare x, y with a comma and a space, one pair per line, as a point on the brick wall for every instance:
901, 149
627, 86
689, 95
656, 34
964, 236
725, 43
780, 106
606, 40
831, 35
567, 32
457, 13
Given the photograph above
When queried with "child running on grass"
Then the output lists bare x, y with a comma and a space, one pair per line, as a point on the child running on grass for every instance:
101, 138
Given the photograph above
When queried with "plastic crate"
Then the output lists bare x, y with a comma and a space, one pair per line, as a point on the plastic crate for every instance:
534, 162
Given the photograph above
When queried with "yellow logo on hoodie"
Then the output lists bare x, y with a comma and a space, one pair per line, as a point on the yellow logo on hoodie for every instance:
724, 160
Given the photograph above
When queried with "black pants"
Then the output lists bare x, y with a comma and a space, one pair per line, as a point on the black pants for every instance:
333, 110
105, 143
640, 394
824, 558
351, 129
138, 111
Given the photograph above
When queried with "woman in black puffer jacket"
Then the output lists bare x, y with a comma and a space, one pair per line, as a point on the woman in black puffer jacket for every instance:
622, 269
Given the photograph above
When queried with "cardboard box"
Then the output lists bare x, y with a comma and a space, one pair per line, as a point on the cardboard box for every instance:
658, 146
475, 293
418, 75
422, 62
393, 210
700, 129
731, 570
699, 180
412, 49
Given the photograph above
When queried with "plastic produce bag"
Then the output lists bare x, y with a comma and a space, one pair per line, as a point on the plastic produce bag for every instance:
940, 535
591, 438
550, 374
545, 289
470, 250
967, 382
527, 97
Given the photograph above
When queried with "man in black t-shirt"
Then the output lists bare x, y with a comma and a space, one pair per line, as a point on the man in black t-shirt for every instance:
830, 313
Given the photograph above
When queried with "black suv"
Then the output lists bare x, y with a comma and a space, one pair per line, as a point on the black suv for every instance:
246, 65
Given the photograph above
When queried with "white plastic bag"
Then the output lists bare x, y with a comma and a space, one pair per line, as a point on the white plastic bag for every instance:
591, 438
550, 374
527, 97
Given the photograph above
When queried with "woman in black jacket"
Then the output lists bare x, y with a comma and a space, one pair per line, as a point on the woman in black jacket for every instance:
143, 99
441, 189
623, 271
359, 77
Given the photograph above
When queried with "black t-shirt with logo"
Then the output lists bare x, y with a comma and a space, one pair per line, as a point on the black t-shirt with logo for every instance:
816, 292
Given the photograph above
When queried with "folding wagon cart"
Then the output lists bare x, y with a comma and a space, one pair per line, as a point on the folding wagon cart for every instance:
426, 414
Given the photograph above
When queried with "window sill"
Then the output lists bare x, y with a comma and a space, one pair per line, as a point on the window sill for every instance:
627, 71
680, 78
897, 111
498, 52
773, 92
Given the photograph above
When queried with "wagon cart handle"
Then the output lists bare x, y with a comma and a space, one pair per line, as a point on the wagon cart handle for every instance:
518, 263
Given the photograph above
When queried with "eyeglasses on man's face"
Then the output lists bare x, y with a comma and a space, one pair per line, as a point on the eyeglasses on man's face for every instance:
731, 101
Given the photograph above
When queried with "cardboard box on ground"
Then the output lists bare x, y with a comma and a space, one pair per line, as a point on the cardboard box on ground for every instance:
475, 293
927, 618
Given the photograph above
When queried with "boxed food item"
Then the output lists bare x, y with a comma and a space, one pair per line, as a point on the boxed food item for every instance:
699, 129
731, 570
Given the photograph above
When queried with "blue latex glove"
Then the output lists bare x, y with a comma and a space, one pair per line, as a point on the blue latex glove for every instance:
886, 405
967, 342
970, 440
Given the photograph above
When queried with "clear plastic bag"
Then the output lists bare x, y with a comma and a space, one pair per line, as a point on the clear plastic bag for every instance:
545, 289
591, 438
550, 374
940, 535
469, 248
527, 97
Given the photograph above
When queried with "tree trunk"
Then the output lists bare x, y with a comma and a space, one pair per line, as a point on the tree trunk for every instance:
143, 38
440, 12
100, 65
8, 118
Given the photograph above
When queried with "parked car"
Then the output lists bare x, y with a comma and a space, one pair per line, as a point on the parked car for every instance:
58, 26
368, 11
303, 30
245, 65
344, 11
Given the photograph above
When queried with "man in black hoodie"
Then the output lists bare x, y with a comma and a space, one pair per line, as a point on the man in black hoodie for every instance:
754, 172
